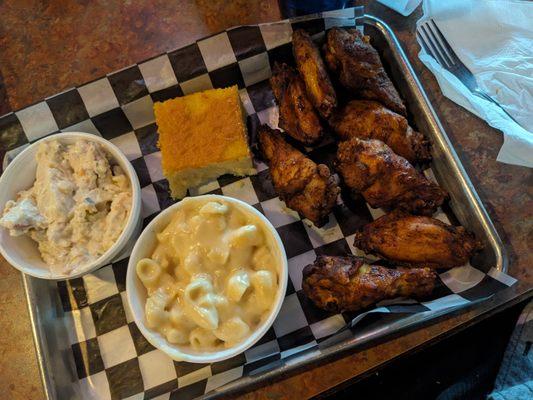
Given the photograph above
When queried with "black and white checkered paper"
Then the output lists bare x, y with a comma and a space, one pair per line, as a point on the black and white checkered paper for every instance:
112, 358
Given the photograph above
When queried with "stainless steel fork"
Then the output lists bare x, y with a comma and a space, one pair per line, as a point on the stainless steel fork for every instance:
436, 45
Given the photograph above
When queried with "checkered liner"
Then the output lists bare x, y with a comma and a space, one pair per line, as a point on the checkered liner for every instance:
112, 358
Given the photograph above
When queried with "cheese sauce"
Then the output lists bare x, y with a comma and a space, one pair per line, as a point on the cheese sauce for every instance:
212, 278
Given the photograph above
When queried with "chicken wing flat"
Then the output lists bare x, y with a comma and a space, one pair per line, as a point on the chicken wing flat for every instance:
305, 186
367, 119
417, 241
385, 179
350, 54
314, 73
339, 284
297, 116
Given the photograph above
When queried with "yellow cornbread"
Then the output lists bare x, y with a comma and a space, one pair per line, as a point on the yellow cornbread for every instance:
202, 136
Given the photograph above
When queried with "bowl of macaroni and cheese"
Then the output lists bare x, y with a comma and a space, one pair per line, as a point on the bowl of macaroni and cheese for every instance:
206, 278
69, 204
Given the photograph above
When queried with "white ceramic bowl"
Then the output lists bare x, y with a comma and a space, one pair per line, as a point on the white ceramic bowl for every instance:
136, 292
21, 251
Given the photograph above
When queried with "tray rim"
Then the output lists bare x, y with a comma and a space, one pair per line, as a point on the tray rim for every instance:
412, 322
502, 260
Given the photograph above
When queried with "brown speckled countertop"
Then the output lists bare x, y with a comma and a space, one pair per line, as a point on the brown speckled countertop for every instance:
50, 46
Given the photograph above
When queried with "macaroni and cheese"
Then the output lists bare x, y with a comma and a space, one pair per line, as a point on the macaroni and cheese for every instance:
212, 277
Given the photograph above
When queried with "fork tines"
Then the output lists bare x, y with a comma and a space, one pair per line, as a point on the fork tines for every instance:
436, 45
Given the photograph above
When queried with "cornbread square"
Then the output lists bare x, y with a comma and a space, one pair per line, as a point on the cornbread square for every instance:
202, 136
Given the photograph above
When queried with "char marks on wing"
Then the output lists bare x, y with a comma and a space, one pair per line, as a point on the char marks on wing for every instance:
385, 179
417, 241
337, 284
314, 74
297, 116
306, 187
368, 119
359, 67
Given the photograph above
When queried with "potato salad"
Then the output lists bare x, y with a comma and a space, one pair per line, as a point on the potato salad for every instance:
77, 207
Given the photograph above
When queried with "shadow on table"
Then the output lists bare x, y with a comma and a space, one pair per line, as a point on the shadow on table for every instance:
463, 366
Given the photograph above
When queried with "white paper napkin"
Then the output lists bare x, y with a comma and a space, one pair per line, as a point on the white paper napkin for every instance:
404, 7
494, 39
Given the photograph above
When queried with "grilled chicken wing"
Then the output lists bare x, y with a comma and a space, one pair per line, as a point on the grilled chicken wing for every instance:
313, 71
385, 179
350, 54
417, 241
346, 283
305, 186
297, 116
368, 119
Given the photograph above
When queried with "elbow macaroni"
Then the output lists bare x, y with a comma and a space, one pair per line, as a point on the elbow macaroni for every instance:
238, 282
211, 279
202, 339
264, 289
232, 331
148, 272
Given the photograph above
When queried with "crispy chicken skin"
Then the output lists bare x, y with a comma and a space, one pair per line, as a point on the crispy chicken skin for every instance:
367, 119
347, 283
385, 179
350, 54
305, 186
297, 115
314, 73
417, 241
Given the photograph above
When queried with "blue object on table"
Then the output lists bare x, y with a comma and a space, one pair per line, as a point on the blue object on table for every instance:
294, 8
515, 379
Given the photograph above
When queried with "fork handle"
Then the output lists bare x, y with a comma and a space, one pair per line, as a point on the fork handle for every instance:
485, 96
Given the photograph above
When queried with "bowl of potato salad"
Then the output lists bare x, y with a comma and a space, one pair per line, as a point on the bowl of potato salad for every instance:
70, 203
206, 278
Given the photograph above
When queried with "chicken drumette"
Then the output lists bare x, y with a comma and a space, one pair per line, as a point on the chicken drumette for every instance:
385, 179
297, 115
366, 119
313, 72
305, 186
417, 241
338, 284
350, 54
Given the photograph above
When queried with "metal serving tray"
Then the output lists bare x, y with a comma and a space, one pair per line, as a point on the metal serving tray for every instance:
50, 334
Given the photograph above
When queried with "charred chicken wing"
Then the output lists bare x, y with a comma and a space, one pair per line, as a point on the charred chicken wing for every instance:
297, 115
313, 71
350, 54
368, 119
305, 186
417, 241
385, 179
338, 284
